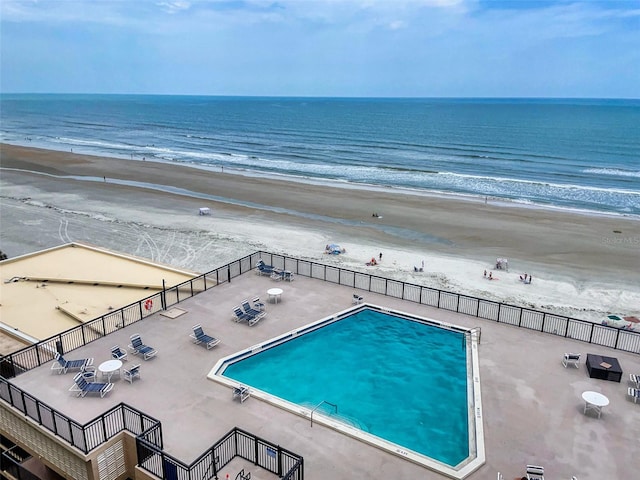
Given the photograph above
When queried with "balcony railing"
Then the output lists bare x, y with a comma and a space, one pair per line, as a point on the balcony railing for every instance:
44, 351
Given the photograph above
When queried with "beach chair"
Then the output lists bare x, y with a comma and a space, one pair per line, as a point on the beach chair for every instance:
118, 354
81, 387
249, 310
139, 348
132, 373
253, 315
535, 472
357, 299
571, 359
634, 393
635, 380
60, 365
257, 304
264, 269
199, 337
239, 315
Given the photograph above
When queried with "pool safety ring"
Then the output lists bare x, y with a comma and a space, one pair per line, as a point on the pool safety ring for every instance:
148, 304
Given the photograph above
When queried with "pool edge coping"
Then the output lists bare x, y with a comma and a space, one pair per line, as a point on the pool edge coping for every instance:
469, 465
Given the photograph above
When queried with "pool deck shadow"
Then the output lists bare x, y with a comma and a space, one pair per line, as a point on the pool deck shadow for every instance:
532, 406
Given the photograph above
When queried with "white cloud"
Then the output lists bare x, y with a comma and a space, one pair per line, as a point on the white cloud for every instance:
174, 7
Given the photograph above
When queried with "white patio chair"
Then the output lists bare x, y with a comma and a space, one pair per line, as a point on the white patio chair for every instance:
571, 359
132, 373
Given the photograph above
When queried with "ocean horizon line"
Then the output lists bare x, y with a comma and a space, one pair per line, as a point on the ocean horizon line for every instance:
326, 97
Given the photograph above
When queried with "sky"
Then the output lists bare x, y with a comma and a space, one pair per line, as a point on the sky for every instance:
336, 48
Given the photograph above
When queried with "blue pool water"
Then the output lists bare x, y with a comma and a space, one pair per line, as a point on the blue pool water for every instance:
401, 380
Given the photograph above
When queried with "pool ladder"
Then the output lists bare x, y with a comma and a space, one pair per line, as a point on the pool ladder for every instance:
319, 405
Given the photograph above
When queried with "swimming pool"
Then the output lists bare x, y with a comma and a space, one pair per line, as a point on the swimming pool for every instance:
391, 376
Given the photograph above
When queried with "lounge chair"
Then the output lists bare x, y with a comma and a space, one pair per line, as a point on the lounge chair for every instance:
81, 386
264, 269
635, 379
118, 354
535, 472
571, 359
132, 373
249, 310
257, 304
254, 315
199, 337
241, 393
634, 393
239, 315
139, 348
61, 365
356, 299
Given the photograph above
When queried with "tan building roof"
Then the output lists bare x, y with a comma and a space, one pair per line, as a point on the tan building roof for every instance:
50, 291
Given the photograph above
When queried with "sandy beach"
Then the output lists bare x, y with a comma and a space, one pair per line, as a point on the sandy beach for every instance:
582, 265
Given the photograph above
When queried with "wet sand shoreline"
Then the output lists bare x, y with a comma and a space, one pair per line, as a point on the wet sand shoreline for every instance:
296, 218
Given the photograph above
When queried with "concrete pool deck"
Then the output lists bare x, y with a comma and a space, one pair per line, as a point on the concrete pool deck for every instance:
532, 406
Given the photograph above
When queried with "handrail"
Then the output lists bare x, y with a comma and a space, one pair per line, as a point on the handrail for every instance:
545, 322
319, 405
42, 352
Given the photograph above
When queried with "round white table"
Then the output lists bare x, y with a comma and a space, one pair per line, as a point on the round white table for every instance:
594, 401
274, 294
108, 368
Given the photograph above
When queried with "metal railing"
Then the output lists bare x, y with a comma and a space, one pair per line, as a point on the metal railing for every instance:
149, 442
84, 437
44, 351
236, 443
523, 317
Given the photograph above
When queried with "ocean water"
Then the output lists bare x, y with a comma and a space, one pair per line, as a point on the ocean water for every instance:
572, 154
382, 372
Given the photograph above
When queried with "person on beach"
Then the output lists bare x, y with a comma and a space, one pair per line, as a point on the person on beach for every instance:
485, 274
380, 256
490, 275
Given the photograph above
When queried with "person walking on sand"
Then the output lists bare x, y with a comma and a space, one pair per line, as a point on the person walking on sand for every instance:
380, 257
485, 274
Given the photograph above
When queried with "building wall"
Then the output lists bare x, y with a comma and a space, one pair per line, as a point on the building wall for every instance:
115, 460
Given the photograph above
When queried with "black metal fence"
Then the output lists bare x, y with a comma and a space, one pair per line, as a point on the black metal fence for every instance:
236, 443
545, 322
84, 437
44, 351
149, 443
